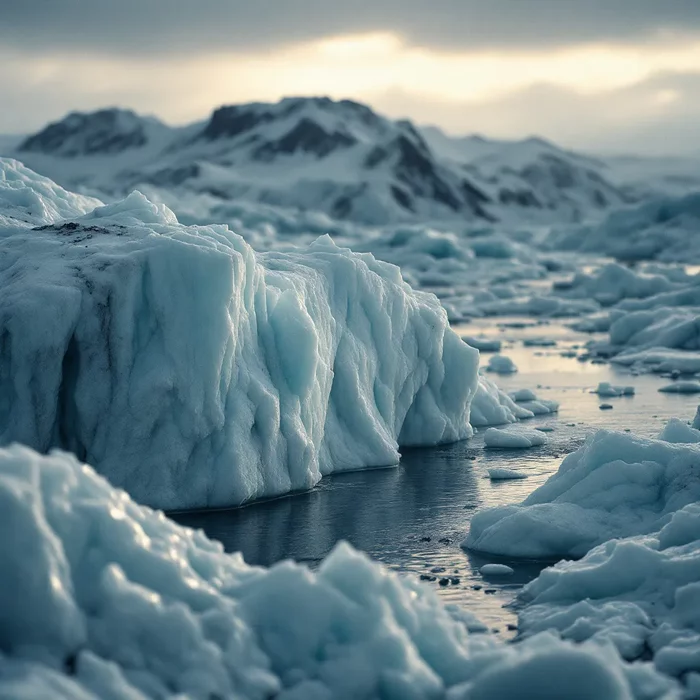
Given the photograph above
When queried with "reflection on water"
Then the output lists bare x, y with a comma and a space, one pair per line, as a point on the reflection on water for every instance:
413, 518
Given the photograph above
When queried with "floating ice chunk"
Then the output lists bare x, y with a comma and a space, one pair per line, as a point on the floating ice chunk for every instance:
678, 431
491, 406
614, 282
500, 364
696, 420
515, 437
616, 485
547, 406
550, 307
605, 389
539, 343
496, 246
483, 344
639, 594
502, 474
523, 395
663, 229
526, 398
660, 360
496, 570
662, 327
687, 387
541, 407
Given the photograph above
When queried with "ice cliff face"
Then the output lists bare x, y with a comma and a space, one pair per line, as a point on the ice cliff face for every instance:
193, 372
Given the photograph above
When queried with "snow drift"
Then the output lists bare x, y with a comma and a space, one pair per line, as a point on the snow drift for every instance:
193, 372
103, 598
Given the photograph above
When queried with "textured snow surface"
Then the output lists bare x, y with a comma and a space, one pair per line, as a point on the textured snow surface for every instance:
28, 198
616, 485
641, 594
103, 598
193, 372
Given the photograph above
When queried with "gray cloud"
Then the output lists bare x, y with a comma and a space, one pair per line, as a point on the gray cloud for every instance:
628, 120
185, 26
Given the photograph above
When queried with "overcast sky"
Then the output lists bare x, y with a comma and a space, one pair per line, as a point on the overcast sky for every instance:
613, 75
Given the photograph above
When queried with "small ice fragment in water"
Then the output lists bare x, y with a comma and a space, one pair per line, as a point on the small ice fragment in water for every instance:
523, 395
689, 387
496, 570
608, 390
514, 438
501, 474
500, 364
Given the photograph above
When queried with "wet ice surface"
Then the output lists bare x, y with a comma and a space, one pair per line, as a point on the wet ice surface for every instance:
413, 518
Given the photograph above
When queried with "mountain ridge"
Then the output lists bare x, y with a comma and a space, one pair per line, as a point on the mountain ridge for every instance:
313, 153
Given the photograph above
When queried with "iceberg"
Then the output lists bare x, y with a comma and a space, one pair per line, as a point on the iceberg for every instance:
193, 372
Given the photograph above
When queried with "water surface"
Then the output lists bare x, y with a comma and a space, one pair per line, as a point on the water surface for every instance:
414, 517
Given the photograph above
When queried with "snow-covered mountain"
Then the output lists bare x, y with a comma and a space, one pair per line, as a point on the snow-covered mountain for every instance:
533, 173
338, 157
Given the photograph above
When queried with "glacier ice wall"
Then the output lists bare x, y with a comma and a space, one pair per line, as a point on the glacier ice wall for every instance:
194, 372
